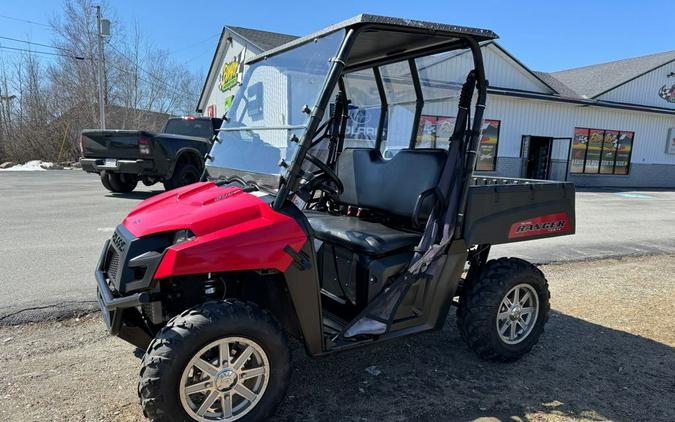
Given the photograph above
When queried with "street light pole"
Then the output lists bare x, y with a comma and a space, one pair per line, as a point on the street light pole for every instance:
101, 95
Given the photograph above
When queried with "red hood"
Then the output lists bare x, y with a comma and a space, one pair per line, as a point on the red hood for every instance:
201, 207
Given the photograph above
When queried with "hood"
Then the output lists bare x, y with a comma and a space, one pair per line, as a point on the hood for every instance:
201, 207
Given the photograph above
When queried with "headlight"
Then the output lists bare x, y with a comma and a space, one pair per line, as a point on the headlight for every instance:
182, 236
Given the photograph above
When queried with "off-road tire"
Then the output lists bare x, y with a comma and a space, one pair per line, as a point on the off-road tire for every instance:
122, 183
480, 301
105, 181
173, 347
184, 174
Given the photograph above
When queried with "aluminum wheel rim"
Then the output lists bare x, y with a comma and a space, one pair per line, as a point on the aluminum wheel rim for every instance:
224, 380
517, 314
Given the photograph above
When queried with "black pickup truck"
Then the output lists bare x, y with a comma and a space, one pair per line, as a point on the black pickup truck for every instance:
174, 157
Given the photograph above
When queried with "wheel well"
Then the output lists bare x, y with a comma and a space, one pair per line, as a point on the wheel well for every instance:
265, 288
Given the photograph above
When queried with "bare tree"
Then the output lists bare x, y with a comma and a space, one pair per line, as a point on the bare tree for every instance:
56, 101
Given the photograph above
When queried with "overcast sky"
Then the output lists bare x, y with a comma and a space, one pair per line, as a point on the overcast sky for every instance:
545, 35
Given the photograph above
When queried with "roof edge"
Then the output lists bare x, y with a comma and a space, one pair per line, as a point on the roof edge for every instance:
634, 78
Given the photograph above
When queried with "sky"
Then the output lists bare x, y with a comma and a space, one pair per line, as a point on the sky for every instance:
545, 35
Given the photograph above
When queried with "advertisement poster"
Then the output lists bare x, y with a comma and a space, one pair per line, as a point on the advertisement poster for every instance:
595, 139
623, 150
426, 132
579, 145
609, 151
487, 149
444, 127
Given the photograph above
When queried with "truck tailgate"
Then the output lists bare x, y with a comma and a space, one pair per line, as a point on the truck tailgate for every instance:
122, 144
505, 210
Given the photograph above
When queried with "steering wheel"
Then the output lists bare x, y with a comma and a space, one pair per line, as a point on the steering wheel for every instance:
333, 186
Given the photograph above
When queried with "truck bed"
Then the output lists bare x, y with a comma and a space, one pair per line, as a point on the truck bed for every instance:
506, 210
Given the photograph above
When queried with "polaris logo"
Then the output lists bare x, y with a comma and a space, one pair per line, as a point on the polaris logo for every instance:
119, 243
551, 224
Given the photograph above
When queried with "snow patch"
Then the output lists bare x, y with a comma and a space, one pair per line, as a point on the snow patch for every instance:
34, 165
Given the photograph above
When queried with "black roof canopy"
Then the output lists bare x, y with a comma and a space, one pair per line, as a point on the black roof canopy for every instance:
384, 37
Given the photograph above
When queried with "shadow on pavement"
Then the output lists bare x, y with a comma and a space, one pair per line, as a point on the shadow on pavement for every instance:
134, 195
578, 369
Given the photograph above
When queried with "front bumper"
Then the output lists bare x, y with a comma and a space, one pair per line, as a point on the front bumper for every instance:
139, 167
108, 303
119, 304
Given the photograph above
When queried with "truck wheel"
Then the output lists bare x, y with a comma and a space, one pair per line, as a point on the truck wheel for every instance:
183, 175
502, 312
105, 181
122, 183
218, 361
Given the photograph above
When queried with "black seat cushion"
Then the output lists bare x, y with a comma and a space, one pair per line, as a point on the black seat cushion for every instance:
392, 186
360, 235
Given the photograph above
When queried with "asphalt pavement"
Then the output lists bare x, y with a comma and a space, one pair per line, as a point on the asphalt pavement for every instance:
53, 225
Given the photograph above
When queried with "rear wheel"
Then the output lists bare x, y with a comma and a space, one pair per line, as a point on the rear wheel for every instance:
220, 361
184, 174
105, 181
121, 182
502, 311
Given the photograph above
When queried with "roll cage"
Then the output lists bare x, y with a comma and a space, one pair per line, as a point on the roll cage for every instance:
371, 42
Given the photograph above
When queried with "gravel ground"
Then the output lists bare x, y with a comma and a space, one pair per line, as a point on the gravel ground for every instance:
608, 354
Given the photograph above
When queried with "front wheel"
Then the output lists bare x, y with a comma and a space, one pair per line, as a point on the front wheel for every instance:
220, 361
502, 311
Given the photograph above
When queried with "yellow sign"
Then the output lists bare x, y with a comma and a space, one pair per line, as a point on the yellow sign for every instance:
228, 76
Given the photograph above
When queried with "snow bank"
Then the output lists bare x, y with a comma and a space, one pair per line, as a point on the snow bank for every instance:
35, 165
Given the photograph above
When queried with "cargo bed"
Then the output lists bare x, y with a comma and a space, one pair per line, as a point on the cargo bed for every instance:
505, 210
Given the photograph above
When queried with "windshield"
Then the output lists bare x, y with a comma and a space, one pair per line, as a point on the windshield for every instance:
267, 111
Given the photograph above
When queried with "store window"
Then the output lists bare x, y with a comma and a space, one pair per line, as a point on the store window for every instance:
599, 151
435, 132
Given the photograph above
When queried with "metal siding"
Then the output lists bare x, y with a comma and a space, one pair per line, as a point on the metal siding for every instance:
500, 69
547, 118
645, 89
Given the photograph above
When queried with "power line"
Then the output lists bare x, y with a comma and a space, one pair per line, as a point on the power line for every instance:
36, 43
49, 53
25, 21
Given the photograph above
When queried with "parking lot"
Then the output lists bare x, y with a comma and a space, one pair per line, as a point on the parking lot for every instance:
55, 223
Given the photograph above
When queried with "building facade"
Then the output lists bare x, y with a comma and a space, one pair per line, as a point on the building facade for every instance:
610, 124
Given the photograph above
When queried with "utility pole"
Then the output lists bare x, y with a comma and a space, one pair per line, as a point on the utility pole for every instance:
103, 30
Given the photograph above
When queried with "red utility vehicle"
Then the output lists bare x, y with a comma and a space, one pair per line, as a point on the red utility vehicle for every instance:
312, 226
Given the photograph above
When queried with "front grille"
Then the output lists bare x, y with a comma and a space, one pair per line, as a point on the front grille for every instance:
113, 264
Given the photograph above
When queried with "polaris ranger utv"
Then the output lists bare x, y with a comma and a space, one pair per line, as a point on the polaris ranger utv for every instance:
305, 229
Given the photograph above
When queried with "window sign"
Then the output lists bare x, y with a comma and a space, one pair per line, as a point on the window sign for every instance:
623, 150
435, 132
608, 155
598, 151
579, 145
595, 140
426, 134
487, 149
